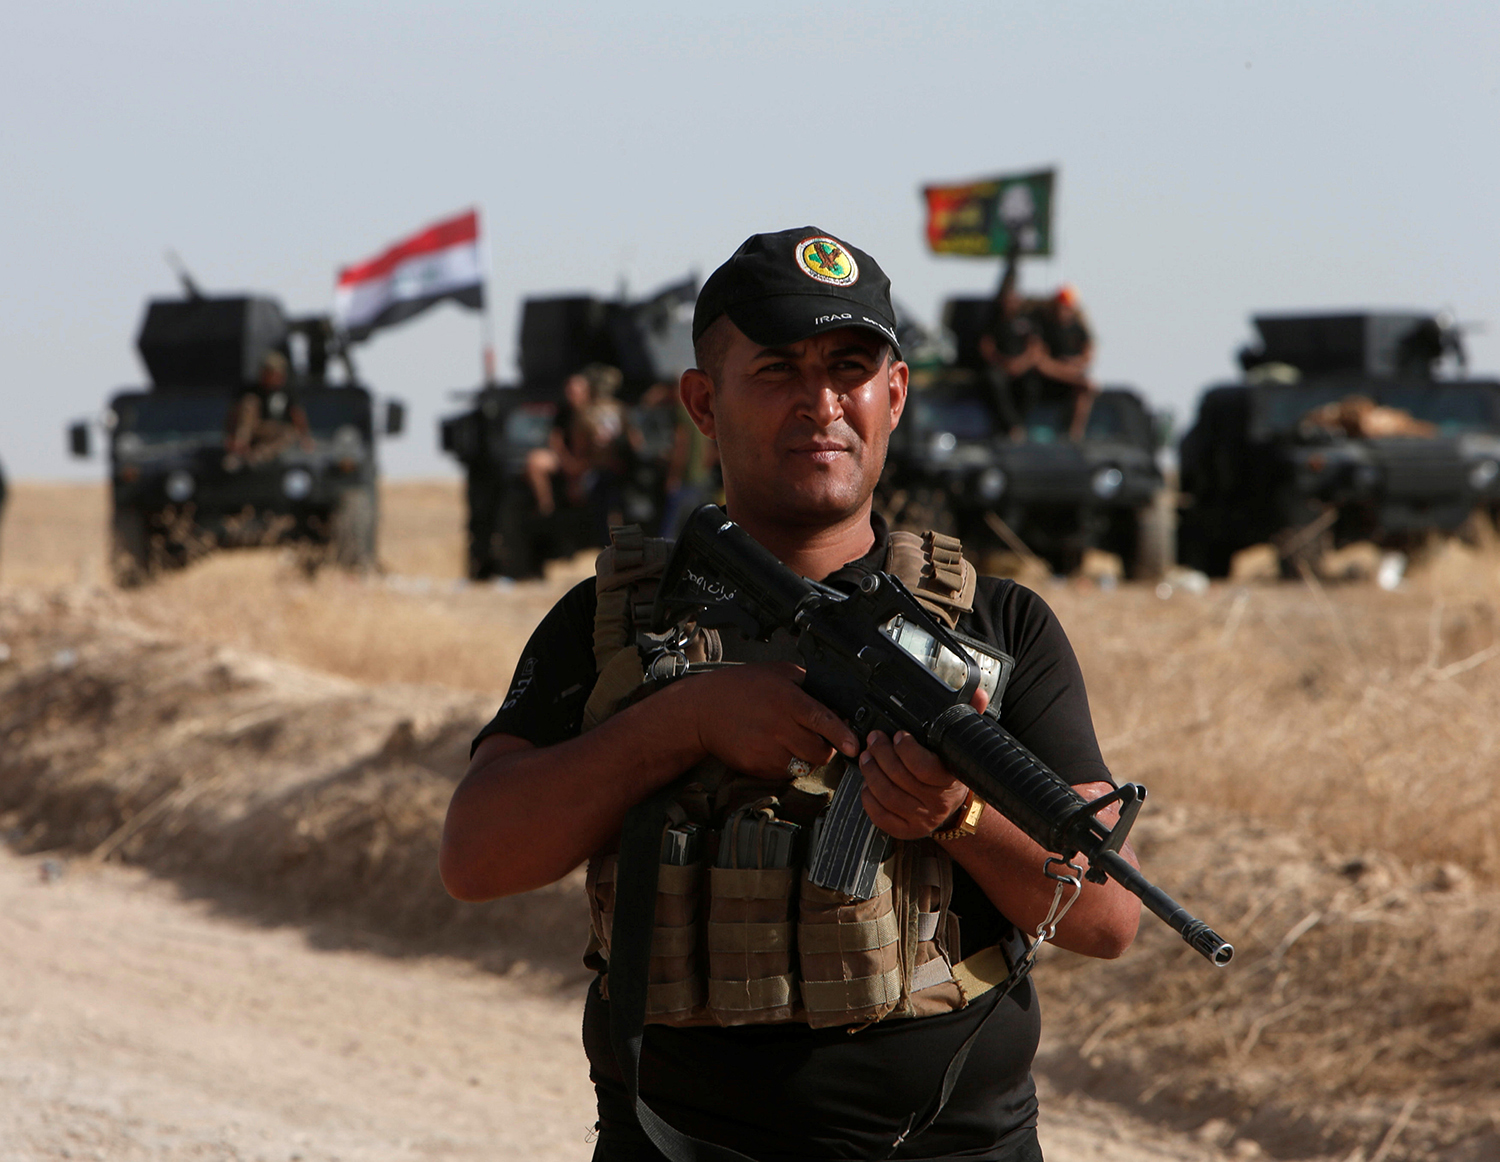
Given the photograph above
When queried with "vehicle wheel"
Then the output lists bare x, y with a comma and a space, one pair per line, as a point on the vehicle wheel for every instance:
1153, 552
483, 526
920, 510
1200, 545
353, 540
129, 548
518, 554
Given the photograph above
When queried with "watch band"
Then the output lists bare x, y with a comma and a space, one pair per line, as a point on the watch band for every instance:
968, 819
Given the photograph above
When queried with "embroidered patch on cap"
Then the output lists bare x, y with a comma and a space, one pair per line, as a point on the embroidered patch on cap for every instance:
827, 261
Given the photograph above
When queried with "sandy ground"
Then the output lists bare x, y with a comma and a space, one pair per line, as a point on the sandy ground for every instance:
137, 1024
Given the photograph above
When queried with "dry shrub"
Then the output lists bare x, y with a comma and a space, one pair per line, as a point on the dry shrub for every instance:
1368, 719
1322, 761
1360, 988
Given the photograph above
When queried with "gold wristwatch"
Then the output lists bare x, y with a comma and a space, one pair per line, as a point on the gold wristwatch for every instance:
968, 820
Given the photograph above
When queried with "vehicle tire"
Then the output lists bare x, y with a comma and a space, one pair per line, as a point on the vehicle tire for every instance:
921, 509
518, 555
1154, 550
483, 529
129, 548
1309, 555
353, 540
1200, 546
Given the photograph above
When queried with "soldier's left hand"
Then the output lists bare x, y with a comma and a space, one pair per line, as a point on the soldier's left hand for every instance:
909, 793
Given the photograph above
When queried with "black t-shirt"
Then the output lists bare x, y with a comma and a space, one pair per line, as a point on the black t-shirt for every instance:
1066, 340
1013, 329
784, 1092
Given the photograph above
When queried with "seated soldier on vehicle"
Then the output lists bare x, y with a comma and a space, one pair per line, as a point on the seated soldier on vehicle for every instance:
266, 419
1039, 350
1069, 353
1011, 346
583, 449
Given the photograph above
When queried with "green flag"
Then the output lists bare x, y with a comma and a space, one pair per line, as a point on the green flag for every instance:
982, 217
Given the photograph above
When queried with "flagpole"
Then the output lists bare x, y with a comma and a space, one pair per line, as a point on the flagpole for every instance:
486, 322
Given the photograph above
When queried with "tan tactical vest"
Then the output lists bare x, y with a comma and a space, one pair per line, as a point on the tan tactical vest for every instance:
738, 945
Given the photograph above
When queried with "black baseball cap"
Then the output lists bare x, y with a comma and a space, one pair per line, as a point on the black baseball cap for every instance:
782, 288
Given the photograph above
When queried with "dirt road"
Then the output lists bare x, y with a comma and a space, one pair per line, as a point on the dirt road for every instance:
138, 1025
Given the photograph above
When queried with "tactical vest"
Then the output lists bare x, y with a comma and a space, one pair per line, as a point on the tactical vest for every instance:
741, 935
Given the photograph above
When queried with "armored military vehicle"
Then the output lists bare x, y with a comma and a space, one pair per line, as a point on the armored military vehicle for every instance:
951, 467
1345, 428
181, 487
650, 342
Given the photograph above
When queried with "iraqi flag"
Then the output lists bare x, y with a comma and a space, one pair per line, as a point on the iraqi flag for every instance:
441, 262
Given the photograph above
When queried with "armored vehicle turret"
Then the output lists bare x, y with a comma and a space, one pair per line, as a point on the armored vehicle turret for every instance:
649, 343
1346, 427
241, 438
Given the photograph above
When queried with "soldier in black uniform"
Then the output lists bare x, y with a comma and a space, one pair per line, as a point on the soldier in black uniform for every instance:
799, 382
1068, 357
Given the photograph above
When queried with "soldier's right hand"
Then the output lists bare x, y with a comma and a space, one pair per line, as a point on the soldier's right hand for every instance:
756, 718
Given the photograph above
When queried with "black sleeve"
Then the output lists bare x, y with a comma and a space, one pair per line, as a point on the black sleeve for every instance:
554, 677
1045, 704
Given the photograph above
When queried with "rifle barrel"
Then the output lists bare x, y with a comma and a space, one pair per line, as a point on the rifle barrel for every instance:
1198, 934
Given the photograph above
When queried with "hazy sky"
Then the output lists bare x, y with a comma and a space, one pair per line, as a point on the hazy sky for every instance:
1215, 159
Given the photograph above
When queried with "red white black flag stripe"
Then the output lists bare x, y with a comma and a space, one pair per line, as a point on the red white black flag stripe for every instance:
441, 262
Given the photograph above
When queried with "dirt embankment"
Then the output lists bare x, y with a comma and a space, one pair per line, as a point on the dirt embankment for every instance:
285, 793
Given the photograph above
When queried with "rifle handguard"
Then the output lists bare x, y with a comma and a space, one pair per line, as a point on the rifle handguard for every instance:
987, 757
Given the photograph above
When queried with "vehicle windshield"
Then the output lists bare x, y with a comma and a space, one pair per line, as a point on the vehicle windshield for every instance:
169, 419
529, 426
1113, 417
968, 418
330, 409
1454, 408
174, 417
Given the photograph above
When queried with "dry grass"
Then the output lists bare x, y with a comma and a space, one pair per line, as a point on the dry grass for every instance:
1368, 719
1323, 762
53, 534
417, 622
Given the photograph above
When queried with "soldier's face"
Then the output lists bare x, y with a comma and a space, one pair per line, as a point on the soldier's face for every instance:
802, 430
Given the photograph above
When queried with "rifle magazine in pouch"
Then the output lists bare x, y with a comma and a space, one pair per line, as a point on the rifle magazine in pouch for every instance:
750, 977
935, 938
850, 952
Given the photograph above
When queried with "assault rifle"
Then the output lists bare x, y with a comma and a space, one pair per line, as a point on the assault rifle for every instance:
880, 661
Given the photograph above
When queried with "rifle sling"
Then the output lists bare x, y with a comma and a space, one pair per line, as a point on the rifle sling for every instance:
956, 1064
